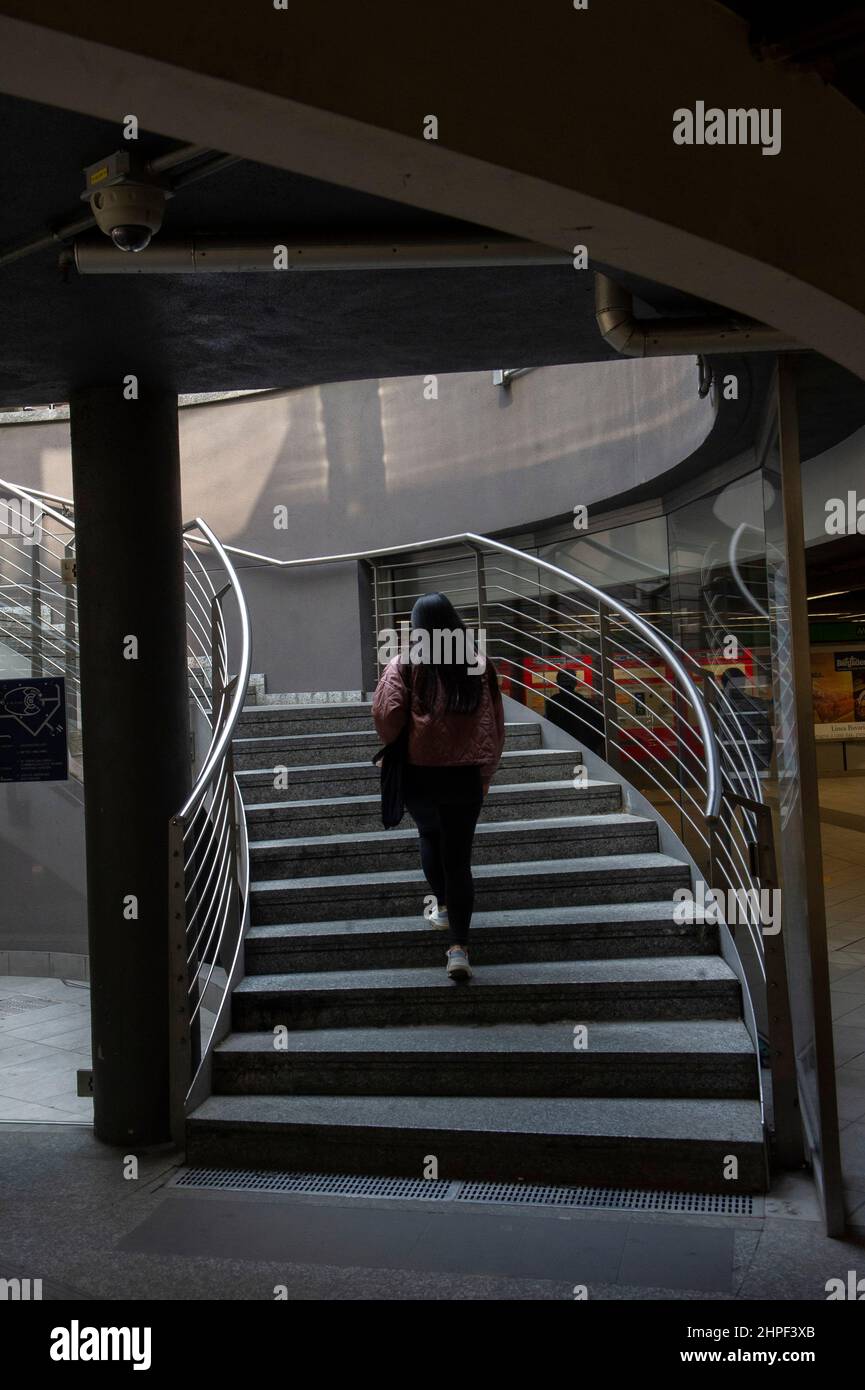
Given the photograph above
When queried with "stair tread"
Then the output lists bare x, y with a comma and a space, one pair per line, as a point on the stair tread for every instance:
669, 970
373, 799
344, 735
602, 820
522, 754
726, 1036
588, 914
321, 707
697, 1120
603, 864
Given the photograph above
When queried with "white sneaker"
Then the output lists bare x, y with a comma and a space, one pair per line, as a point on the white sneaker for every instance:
439, 919
458, 964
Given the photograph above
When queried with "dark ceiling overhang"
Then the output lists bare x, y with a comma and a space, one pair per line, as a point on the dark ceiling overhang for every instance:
258, 331
252, 331
826, 39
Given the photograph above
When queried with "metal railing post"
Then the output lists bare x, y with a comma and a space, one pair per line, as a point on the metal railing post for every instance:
36, 665
218, 689
608, 689
376, 612
709, 857
367, 598
788, 1138
233, 840
481, 594
70, 633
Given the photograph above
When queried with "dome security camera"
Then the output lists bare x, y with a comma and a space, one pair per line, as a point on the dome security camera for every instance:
127, 205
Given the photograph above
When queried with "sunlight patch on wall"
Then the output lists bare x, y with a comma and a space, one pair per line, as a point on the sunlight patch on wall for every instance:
233, 456
623, 410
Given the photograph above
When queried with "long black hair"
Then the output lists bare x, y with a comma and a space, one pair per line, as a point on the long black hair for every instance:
460, 682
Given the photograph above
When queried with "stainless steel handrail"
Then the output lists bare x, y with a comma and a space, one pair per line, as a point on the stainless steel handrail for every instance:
208, 844
649, 634
218, 748
34, 495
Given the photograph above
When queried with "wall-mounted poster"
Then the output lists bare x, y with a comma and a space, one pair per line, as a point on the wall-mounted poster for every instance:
838, 690
33, 729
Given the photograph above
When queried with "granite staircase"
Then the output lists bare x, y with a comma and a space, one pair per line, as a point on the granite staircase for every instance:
600, 1042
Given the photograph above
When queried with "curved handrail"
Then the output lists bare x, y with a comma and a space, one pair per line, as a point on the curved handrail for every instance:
32, 494
222, 741
652, 639
208, 844
734, 566
649, 634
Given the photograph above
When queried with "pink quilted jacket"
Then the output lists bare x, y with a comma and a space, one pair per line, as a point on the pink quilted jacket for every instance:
439, 739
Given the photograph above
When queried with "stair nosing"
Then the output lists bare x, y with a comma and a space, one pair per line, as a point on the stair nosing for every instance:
598, 864
407, 834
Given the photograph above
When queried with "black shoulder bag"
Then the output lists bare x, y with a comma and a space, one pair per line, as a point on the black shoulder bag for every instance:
392, 760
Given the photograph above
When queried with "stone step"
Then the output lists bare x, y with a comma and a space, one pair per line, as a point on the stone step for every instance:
708, 1058
275, 719
692, 987
372, 852
682, 1144
548, 883
272, 820
287, 750
313, 781
605, 931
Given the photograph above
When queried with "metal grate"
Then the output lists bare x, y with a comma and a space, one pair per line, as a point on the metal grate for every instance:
504, 1193
619, 1199
22, 1004
336, 1184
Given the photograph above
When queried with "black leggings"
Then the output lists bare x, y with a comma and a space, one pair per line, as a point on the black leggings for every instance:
445, 803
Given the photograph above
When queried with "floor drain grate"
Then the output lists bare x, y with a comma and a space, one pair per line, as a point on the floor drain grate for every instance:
22, 1004
509, 1194
334, 1184
618, 1199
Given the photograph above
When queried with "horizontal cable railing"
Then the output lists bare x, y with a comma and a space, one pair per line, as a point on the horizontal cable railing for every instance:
38, 598
579, 656
208, 847
209, 859
625, 690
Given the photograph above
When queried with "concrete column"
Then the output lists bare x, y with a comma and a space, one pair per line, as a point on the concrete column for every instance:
135, 724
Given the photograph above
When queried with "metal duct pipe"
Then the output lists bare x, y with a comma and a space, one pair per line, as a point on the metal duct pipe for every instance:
219, 255
614, 315
206, 162
182, 154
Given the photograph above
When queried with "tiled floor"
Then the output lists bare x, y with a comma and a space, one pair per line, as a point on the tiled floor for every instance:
844, 798
44, 1040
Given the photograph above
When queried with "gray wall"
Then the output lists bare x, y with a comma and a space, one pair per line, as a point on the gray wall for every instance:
373, 463
43, 900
